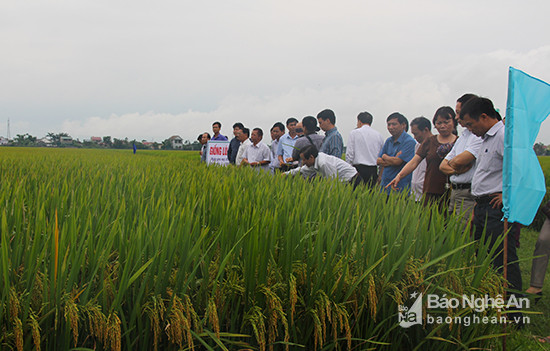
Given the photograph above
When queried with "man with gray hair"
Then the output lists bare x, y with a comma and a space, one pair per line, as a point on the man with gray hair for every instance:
257, 154
364, 145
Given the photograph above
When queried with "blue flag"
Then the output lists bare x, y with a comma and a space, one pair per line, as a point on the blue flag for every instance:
523, 185
135, 148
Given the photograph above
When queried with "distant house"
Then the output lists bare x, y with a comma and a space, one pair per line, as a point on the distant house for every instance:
96, 140
4, 141
45, 142
177, 142
65, 140
150, 144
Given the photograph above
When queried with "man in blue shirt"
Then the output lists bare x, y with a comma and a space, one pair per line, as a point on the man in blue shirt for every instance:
286, 146
216, 127
333, 144
396, 152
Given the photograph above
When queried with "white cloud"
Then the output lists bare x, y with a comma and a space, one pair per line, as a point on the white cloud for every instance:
422, 95
97, 67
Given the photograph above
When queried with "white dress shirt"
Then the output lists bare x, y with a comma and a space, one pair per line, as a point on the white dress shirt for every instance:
328, 166
470, 142
258, 153
244, 145
364, 145
274, 159
488, 174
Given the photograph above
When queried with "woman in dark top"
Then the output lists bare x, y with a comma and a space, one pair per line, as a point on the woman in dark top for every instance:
434, 149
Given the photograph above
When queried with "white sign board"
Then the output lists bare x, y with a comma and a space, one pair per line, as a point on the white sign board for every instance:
216, 152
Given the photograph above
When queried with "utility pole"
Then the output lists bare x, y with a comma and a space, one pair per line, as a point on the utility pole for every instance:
9, 134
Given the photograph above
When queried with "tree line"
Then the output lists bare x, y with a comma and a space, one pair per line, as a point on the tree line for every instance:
541, 149
107, 142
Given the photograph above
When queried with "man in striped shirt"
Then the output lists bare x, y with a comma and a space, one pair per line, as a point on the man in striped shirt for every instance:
333, 144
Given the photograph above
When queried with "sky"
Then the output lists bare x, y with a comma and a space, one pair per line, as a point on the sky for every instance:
147, 70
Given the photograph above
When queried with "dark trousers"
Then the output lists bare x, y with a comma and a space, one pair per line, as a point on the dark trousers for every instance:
442, 201
356, 180
368, 173
489, 218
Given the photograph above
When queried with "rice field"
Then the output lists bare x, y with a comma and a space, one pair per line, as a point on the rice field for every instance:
106, 250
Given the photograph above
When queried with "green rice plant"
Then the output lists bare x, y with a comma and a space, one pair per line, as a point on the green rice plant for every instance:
104, 249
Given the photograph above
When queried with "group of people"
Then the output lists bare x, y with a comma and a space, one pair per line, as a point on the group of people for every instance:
461, 174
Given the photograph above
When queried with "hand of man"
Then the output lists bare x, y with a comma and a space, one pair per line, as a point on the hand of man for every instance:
394, 182
496, 201
460, 169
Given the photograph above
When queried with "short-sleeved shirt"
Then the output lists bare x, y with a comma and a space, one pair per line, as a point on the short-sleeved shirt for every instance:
488, 175
434, 180
286, 146
405, 143
417, 181
203, 155
257, 153
219, 137
333, 144
274, 159
241, 151
470, 142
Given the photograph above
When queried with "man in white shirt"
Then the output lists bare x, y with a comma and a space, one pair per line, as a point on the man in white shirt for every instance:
257, 154
364, 145
421, 129
327, 166
481, 118
460, 165
243, 137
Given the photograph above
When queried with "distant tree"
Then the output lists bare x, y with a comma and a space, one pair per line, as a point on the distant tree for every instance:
187, 145
121, 143
24, 140
196, 146
540, 149
56, 137
139, 145
166, 144
91, 144
107, 141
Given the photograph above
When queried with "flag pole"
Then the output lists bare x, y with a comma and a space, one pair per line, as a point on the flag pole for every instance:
505, 271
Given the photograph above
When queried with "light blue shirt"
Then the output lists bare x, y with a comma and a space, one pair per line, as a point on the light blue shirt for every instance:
286, 146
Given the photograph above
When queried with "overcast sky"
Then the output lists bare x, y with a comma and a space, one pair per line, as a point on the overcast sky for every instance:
152, 69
